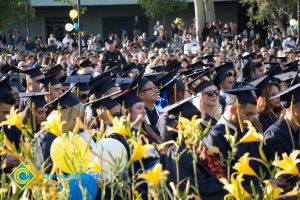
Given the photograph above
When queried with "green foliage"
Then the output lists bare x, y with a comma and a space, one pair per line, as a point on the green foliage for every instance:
157, 8
13, 11
261, 11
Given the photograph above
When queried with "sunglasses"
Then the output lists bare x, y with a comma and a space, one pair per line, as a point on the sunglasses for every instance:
230, 74
212, 93
83, 96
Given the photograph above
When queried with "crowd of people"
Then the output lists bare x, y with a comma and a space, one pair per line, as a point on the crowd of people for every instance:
154, 81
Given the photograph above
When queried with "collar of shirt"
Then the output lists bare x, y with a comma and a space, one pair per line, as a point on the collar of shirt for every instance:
226, 123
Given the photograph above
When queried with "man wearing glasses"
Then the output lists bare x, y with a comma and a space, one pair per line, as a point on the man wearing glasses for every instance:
148, 93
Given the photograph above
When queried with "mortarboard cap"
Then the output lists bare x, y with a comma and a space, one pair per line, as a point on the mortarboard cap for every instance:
289, 94
260, 84
38, 98
66, 100
49, 80
15, 83
184, 108
34, 73
202, 85
4, 83
173, 65
286, 76
244, 95
123, 83
54, 70
85, 63
101, 87
80, 81
208, 58
63, 81
158, 68
274, 70
282, 59
128, 98
292, 66
222, 73
248, 56
106, 102
153, 76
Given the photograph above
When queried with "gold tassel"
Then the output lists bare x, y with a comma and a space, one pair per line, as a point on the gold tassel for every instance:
49, 99
175, 93
27, 84
77, 91
239, 115
33, 116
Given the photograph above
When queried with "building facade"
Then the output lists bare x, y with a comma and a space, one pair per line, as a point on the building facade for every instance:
104, 16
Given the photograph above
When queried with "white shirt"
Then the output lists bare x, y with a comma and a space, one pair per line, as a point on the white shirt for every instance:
68, 42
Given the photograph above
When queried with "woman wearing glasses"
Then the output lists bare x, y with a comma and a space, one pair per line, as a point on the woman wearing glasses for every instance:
208, 103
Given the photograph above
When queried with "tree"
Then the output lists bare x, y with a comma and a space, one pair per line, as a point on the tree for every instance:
199, 17
271, 11
13, 11
158, 8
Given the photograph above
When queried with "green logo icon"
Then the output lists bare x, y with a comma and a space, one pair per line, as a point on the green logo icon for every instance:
22, 176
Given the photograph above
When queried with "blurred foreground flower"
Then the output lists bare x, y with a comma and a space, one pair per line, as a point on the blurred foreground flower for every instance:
288, 164
155, 175
55, 125
13, 119
119, 126
242, 166
95, 166
271, 191
187, 128
252, 135
140, 151
235, 188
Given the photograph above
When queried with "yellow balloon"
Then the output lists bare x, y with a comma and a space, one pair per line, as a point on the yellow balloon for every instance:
296, 24
71, 154
73, 14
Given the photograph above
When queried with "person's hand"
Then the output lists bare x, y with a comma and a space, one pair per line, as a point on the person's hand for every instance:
137, 122
10, 162
102, 114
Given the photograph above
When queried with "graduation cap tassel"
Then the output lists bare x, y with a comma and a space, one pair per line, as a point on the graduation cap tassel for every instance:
27, 84
77, 91
33, 117
296, 121
239, 115
49, 97
175, 93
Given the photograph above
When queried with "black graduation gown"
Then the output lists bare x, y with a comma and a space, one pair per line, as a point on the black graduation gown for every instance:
209, 187
208, 118
216, 137
266, 120
277, 139
43, 145
13, 134
153, 119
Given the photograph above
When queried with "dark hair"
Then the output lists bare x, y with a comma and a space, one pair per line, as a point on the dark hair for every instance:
6, 97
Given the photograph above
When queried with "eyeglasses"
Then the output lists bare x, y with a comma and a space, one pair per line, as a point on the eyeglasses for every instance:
83, 96
153, 88
212, 93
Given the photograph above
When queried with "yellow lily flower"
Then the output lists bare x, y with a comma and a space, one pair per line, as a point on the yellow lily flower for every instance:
235, 188
118, 127
13, 119
155, 175
273, 192
187, 127
288, 164
140, 151
55, 126
252, 135
242, 166
95, 166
